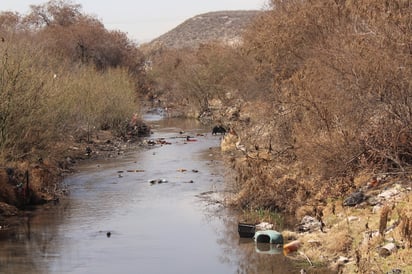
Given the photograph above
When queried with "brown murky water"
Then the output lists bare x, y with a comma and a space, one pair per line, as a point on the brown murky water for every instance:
163, 228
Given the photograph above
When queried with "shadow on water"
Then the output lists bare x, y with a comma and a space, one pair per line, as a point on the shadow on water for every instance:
114, 220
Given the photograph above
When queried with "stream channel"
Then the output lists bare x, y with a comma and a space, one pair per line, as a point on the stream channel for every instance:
115, 221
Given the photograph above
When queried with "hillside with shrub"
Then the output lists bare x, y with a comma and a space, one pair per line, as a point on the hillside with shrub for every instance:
219, 26
318, 101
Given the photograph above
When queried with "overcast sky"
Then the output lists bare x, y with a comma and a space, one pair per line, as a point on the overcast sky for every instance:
143, 20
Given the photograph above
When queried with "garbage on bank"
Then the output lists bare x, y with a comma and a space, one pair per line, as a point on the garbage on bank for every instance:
267, 240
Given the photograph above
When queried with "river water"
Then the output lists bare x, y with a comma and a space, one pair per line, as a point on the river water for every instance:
115, 221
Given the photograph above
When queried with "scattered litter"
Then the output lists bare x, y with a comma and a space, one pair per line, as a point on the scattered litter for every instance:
353, 218
264, 226
354, 199
390, 193
151, 142
343, 260
190, 139
268, 236
246, 230
387, 250
395, 271
309, 224
291, 247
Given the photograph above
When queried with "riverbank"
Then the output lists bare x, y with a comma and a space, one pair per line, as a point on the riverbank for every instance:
368, 228
29, 183
360, 235
344, 222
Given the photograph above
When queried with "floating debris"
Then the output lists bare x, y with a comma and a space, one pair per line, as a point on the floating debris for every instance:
158, 181
190, 139
135, 170
151, 142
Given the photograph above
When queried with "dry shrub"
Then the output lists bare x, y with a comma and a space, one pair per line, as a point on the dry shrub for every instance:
45, 101
340, 242
60, 71
339, 100
405, 227
261, 187
383, 220
195, 79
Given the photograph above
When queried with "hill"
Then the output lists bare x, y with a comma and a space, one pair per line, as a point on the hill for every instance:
222, 26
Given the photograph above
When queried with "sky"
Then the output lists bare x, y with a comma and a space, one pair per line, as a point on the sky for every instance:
143, 20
